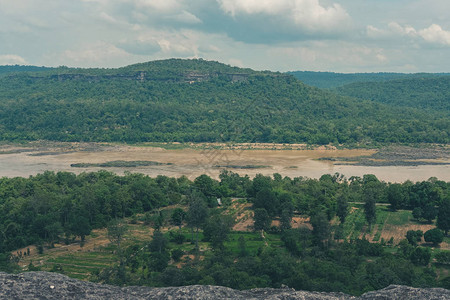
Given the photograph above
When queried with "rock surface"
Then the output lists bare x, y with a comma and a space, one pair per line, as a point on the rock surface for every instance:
43, 285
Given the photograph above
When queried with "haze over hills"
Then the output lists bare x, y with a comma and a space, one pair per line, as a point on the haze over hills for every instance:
199, 101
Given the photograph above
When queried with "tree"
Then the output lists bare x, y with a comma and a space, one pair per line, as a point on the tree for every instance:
81, 227
429, 212
443, 257
7, 263
196, 215
435, 236
158, 242
266, 199
53, 232
342, 208
285, 219
116, 231
414, 236
178, 216
242, 246
262, 220
321, 228
216, 230
420, 256
207, 185
395, 196
417, 213
370, 210
443, 218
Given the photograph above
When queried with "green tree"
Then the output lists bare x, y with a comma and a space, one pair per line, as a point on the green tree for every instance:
443, 218
242, 246
321, 228
342, 208
262, 220
429, 212
285, 219
267, 199
158, 242
217, 229
196, 215
7, 263
370, 210
54, 231
414, 236
421, 256
443, 257
80, 227
178, 216
116, 231
417, 213
434, 236
395, 196
207, 185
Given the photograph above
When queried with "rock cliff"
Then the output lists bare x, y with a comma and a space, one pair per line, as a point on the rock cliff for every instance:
42, 285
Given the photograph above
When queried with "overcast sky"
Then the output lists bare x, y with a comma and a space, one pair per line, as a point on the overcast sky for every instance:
278, 35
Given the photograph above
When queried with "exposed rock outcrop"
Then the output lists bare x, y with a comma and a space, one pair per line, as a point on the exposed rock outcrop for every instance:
42, 285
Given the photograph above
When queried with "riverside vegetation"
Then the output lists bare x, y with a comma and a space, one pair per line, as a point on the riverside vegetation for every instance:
170, 231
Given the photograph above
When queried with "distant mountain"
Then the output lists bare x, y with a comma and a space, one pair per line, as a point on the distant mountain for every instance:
431, 93
331, 80
16, 69
198, 101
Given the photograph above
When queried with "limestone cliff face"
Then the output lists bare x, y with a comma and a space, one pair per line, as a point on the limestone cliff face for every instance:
43, 285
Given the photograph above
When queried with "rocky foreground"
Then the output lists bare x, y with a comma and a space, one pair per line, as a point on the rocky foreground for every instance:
43, 285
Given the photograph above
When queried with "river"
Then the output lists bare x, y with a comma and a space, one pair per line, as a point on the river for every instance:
194, 162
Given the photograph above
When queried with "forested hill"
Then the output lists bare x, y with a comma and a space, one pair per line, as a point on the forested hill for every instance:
16, 69
198, 101
332, 80
424, 93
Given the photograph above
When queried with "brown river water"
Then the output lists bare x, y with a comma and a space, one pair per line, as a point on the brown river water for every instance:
194, 162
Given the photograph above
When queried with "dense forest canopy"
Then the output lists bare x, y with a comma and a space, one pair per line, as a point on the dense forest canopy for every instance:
432, 94
63, 207
8, 69
329, 80
200, 101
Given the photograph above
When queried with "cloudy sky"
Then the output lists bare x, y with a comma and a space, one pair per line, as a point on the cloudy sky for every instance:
278, 35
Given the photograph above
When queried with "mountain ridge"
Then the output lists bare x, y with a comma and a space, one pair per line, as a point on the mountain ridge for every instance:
198, 101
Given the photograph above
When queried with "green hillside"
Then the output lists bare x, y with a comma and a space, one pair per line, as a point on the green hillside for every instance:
4, 70
423, 93
327, 80
198, 101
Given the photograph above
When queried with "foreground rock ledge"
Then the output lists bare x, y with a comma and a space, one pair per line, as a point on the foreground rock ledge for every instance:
43, 285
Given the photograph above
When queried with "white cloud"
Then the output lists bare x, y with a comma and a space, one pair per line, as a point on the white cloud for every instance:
12, 59
402, 30
318, 56
432, 35
186, 17
106, 17
160, 5
305, 14
98, 54
435, 34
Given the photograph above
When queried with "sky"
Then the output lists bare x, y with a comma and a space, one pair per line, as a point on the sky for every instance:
279, 35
